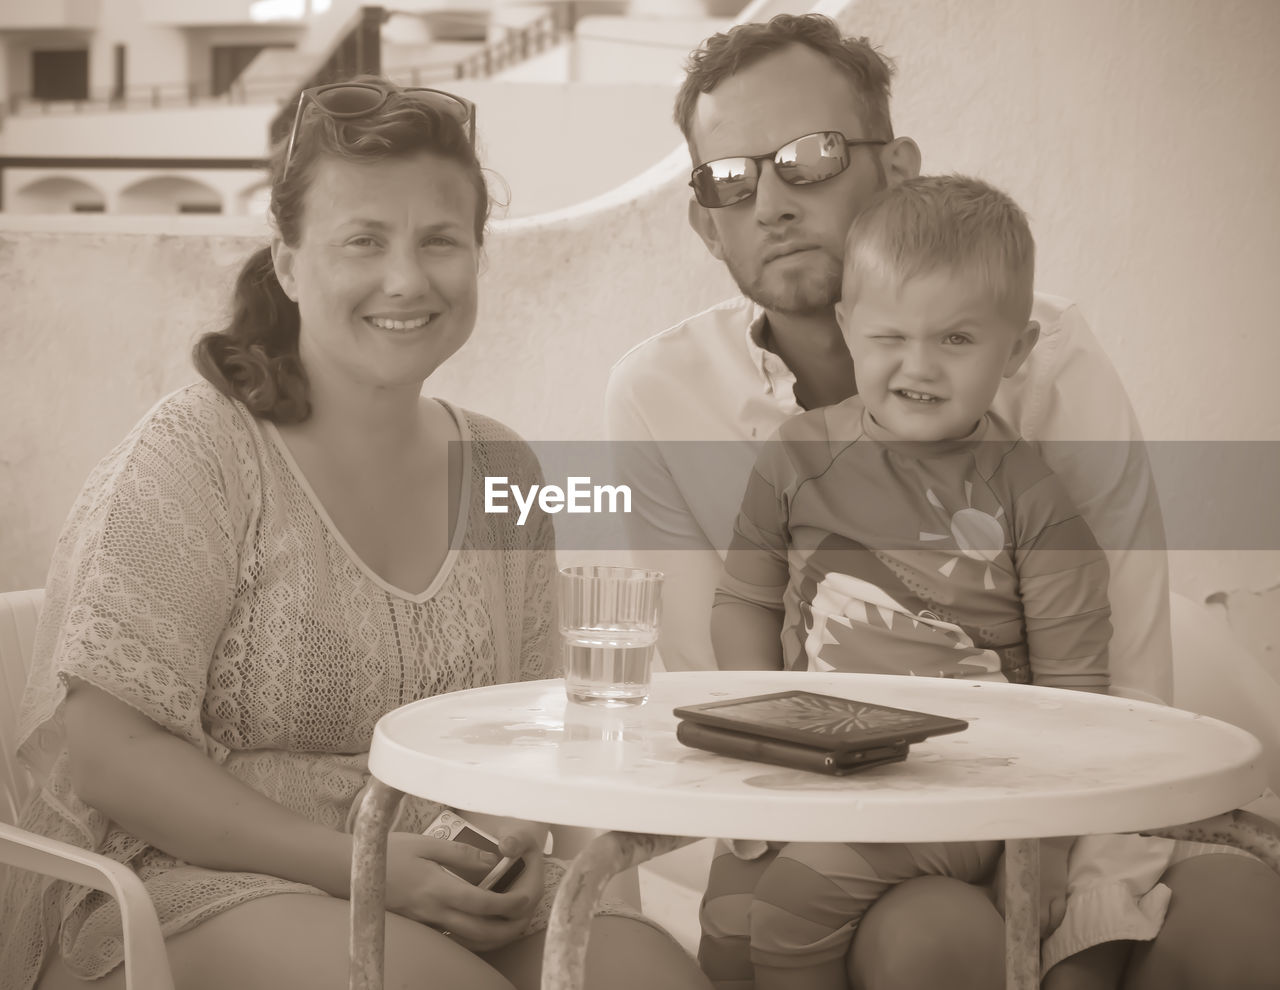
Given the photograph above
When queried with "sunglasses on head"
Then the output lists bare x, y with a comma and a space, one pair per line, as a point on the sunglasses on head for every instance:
808, 159
350, 100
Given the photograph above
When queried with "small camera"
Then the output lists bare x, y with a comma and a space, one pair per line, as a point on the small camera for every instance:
450, 825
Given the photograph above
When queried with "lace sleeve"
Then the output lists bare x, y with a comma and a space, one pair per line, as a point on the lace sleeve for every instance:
528, 551
535, 550
539, 624
143, 575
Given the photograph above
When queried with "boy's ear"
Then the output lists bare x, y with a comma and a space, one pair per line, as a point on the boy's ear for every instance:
705, 227
282, 258
841, 319
1021, 348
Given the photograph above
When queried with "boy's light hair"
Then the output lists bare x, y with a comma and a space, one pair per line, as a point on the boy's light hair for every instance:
944, 223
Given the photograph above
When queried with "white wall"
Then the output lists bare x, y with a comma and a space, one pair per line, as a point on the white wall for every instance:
1141, 137
608, 49
201, 42
58, 194
207, 132
166, 194
558, 144
553, 144
624, 49
30, 190
155, 53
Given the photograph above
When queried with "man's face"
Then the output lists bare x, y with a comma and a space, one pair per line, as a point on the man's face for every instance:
784, 245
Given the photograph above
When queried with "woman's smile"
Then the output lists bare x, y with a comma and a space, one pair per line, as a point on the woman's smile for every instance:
405, 323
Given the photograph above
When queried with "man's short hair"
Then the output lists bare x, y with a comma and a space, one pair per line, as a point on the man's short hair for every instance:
727, 53
945, 223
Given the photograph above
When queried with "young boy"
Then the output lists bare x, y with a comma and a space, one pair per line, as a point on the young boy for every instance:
909, 530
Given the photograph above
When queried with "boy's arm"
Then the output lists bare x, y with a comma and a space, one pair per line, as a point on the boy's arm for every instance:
1062, 581
746, 636
746, 620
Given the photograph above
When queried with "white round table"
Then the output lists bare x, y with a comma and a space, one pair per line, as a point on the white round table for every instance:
1034, 762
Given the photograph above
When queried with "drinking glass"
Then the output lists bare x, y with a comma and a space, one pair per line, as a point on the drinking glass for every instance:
609, 618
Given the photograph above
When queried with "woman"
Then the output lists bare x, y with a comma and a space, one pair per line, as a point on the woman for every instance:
271, 560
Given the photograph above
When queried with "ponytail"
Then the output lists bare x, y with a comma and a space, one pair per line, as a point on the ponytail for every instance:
255, 359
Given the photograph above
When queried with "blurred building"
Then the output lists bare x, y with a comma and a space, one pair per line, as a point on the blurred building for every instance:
168, 106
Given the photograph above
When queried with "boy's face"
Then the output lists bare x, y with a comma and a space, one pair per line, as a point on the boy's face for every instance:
928, 355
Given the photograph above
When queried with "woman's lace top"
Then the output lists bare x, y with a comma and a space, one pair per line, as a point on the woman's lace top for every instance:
199, 580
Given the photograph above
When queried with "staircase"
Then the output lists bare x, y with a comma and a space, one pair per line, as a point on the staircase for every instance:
520, 44
358, 51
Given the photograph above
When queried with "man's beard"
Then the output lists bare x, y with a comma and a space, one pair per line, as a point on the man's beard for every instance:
807, 292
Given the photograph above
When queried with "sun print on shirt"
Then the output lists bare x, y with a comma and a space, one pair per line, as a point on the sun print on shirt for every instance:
979, 535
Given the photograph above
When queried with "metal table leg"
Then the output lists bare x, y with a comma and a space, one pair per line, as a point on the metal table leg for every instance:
564, 957
1022, 914
369, 884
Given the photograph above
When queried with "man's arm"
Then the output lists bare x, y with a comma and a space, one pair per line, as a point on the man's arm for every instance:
665, 536
748, 614
1079, 416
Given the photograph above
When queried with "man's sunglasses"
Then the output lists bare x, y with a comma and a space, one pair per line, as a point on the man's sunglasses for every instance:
802, 162
349, 100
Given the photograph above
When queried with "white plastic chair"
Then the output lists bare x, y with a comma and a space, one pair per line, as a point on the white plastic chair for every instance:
146, 964
1215, 674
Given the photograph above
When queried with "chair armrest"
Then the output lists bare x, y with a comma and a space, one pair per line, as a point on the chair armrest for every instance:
1241, 829
146, 962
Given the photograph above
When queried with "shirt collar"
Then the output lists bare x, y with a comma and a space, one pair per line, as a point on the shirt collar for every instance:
776, 378
920, 448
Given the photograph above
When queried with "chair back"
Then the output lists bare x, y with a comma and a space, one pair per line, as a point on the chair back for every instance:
19, 613
1215, 674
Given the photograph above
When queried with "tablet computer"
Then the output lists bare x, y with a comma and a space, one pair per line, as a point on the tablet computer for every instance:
743, 746
820, 721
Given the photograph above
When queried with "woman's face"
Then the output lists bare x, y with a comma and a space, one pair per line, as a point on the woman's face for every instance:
384, 271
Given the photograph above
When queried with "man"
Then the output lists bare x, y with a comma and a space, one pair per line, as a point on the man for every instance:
765, 110
734, 372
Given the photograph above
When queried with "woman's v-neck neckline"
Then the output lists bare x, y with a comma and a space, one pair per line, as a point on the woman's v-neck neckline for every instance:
455, 538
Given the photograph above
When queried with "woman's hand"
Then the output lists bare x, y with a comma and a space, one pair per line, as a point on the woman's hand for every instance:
425, 882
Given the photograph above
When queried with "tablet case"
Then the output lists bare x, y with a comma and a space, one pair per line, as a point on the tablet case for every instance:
809, 731
785, 754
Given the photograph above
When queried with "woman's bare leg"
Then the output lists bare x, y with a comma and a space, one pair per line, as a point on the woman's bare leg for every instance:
926, 933
298, 942
622, 954
1221, 929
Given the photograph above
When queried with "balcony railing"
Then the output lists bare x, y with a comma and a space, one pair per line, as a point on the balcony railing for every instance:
357, 51
262, 89
520, 44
